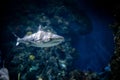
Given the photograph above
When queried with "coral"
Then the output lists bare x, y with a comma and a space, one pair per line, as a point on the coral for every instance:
31, 57
115, 66
18, 76
48, 63
4, 75
28, 33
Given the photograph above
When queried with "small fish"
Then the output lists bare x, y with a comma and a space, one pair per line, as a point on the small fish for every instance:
41, 39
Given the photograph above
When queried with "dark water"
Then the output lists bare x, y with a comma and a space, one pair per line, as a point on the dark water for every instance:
96, 48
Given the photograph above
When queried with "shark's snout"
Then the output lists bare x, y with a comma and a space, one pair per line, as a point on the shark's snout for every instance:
58, 38
61, 38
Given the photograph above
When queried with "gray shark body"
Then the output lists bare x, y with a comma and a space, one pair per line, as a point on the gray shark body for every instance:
41, 39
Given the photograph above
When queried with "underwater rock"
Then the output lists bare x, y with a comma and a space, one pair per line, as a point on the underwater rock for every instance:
31, 57
115, 62
48, 61
76, 75
4, 75
28, 33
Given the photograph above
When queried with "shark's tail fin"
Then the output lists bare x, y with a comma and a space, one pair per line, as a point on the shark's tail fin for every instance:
17, 43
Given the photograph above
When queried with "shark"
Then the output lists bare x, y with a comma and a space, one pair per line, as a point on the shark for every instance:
40, 38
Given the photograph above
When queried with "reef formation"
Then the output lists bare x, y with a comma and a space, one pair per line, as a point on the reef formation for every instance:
31, 63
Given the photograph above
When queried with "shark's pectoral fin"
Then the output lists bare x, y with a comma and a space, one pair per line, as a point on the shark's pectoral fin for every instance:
39, 28
30, 43
27, 43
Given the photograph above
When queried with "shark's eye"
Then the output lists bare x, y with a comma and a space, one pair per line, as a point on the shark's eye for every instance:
50, 39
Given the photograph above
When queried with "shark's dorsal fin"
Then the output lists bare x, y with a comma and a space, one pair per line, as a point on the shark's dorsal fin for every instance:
39, 28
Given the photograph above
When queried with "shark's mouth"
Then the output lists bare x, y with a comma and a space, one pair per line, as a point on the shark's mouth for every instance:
58, 40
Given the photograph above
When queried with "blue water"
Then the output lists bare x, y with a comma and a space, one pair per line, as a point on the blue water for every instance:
96, 48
